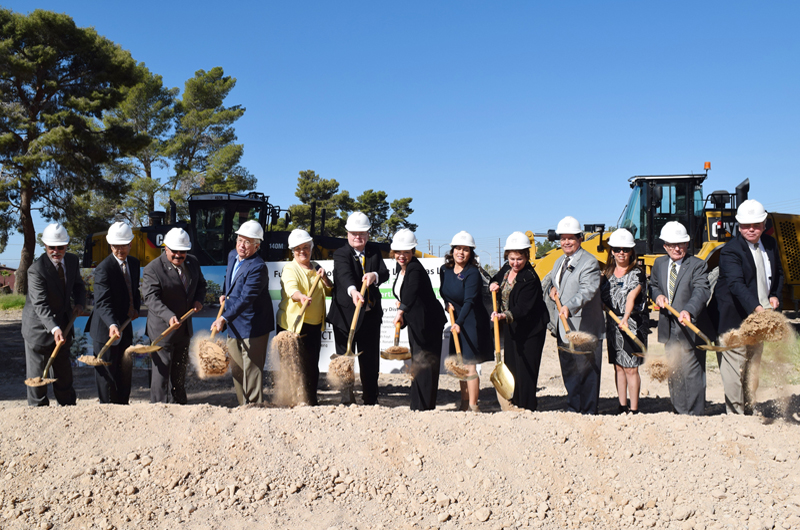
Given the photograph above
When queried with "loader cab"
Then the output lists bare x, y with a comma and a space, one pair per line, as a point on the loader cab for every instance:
658, 199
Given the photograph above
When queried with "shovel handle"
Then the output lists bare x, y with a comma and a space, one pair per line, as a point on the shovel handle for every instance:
397, 334
52, 357
688, 324
562, 317
306, 303
455, 335
111, 340
627, 331
352, 334
219, 314
173, 327
496, 326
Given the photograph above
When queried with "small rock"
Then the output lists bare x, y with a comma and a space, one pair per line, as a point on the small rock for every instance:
482, 514
470, 463
132, 457
442, 517
681, 513
131, 490
442, 500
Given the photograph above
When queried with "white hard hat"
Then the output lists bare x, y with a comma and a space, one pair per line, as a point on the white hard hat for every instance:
119, 234
55, 235
298, 237
750, 212
674, 232
463, 238
517, 241
251, 229
621, 238
177, 239
357, 222
568, 225
404, 239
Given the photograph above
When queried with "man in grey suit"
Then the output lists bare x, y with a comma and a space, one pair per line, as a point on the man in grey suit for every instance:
575, 279
171, 286
53, 279
682, 282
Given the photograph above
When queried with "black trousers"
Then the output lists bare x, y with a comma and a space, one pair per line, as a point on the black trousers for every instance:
168, 373
311, 340
581, 375
114, 381
523, 357
367, 340
35, 360
426, 353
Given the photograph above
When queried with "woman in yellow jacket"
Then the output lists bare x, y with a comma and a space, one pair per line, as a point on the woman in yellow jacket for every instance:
296, 280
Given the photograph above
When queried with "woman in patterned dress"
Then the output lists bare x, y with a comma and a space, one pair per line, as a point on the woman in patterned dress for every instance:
623, 291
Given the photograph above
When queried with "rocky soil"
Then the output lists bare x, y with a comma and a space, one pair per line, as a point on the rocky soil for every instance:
212, 465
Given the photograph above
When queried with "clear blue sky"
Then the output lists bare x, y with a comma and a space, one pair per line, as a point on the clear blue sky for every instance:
493, 116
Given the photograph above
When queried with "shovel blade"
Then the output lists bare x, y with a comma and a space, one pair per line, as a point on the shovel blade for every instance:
503, 381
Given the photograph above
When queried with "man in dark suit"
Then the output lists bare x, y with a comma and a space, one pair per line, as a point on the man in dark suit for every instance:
353, 264
248, 313
682, 282
116, 304
750, 280
172, 285
52, 280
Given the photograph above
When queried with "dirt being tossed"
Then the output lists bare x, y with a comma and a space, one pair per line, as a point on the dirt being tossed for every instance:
285, 351
341, 373
766, 326
658, 367
209, 358
459, 370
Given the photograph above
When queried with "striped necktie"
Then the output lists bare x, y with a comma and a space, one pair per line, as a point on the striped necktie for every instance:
673, 278
184, 278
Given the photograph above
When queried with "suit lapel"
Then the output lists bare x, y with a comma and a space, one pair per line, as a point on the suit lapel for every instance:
681, 273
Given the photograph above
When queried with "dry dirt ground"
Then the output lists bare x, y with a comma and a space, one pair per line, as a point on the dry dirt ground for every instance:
212, 465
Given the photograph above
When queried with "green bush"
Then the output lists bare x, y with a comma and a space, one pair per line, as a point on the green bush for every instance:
12, 301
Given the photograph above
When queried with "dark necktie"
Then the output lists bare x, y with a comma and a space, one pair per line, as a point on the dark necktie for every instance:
184, 278
564, 266
127, 276
62, 277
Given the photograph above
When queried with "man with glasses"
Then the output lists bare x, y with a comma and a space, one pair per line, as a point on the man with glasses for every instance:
116, 305
750, 281
54, 285
354, 264
172, 285
575, 279
248, 313
682, 282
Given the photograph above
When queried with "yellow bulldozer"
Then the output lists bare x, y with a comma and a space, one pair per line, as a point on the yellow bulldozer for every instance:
709, 219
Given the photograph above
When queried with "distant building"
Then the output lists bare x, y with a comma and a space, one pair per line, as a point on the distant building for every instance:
7, 277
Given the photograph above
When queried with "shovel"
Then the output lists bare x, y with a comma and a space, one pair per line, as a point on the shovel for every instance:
501, 378
44, 380
708, 344
456, 369
586, 344
92, 360
628, 332
297, 322
153, 347
396, 352
352, 334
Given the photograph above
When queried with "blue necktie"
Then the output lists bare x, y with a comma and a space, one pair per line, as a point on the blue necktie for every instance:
235, 270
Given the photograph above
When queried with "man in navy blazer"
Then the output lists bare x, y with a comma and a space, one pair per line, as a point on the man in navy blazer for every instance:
116, 303
750, 280
353, 264
248, 313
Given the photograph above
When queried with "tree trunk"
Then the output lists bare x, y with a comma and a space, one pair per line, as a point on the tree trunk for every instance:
29, 240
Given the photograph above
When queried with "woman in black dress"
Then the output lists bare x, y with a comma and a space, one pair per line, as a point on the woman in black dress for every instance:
525, 314
462, 288
422, 314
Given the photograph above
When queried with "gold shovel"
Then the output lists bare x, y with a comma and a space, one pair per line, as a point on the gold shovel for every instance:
396, 352
44, 380
628, 332
708, 344
586, 342
153, 347
91, 360
501, 378
457, 368
352, 334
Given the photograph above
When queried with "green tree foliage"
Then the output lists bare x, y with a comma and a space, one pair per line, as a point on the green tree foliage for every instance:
386, 218
311, 188
203, 150
56, 81
544, 247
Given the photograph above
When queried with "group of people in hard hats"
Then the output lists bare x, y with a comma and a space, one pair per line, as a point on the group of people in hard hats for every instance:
576, 292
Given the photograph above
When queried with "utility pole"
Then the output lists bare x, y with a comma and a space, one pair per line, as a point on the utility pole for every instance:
499, 253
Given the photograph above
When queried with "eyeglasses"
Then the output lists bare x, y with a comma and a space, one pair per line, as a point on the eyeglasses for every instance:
618, 249
60, 247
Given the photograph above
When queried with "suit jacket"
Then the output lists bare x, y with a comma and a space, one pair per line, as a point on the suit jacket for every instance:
691, 294
580, 292
165, 297
736, 292
248, 305
422, 312
525, 302
111, 298
47, 303
347, 271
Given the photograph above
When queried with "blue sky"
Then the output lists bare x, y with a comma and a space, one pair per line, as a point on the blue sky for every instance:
493, 116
